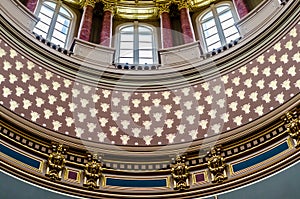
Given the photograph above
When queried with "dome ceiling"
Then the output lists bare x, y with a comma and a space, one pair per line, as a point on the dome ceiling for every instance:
104, 132
166, 116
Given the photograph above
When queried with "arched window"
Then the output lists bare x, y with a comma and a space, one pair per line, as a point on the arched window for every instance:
217, 26
136, 44
55, 22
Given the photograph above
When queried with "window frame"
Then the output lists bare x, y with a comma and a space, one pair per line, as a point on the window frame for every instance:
136, 57
213, 8
71, 28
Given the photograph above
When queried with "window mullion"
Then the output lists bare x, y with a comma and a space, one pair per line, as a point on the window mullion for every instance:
53, 21
219, 26
136, 43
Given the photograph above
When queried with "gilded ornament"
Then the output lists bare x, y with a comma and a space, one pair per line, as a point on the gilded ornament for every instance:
216, 165
183, 4
56, 162
293, 126
164, 8
108, 7
90, 3
180, 174
92, 172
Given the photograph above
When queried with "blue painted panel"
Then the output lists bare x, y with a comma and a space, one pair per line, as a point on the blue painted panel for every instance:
20, 157
260, 158
136, 183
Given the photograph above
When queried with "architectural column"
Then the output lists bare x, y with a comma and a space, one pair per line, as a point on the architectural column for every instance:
165, 25
86, 20
106, 31
241, 8
31, 4
186, 24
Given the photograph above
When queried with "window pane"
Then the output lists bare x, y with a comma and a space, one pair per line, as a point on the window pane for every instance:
59, 35
126, 45
230, 31
145, 61
64, 11
226, 15
208, 24
208, 15
145, 53
39, 32
232, 37
43, 27
127, 29
222, 8
214, 46
57, 42
61, 28
145, 45
227, 23
144, 29
126, 37
126, 53
212, 39
210, 32
145, 38
126, 60
63, 20
51, 4
46, 11
44, 18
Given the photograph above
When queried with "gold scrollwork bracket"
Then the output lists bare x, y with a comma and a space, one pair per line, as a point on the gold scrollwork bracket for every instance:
180, 174
92, 172
216, 165
292, 121
56, 162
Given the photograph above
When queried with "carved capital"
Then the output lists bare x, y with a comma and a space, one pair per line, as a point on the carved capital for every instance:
183, 4
216, 165
164, 8
108, 7
56, 162
90, 3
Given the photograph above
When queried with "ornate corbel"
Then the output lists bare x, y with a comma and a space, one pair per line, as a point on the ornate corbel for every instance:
293, 126
216, 165
92, 172
180, 174
56, 162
